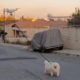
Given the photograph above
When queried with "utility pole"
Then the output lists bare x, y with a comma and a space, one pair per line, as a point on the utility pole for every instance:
3, 32
4, 14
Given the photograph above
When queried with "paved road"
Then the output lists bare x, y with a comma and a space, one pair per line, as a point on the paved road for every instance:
17, 63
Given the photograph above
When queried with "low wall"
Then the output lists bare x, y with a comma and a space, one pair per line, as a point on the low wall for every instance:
71, 37
16, 39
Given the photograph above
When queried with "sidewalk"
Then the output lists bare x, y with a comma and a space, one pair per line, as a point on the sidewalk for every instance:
69, 52
15, 45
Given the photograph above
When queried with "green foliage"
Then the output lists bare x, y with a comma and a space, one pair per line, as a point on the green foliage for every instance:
75, 20
1, 27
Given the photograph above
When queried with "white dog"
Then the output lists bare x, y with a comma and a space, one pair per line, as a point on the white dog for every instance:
52, 68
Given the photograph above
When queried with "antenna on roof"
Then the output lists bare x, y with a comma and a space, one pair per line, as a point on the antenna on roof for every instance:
50, 17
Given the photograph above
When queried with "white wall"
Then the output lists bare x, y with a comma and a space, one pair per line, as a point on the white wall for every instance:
32, 31
71, 37
29, 32
9, 30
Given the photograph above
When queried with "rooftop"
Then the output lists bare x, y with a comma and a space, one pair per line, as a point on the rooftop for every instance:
39, 24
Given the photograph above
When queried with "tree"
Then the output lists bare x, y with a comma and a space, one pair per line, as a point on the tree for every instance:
75, 19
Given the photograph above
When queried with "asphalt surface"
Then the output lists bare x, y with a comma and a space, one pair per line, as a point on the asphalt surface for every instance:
17, 63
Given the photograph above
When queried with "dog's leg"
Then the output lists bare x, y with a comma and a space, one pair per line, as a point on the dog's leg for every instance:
58, 73
51, 73
45, 71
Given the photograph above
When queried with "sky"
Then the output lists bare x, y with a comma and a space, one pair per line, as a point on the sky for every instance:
40, 8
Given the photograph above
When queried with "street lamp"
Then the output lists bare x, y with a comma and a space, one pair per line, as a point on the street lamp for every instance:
11, 11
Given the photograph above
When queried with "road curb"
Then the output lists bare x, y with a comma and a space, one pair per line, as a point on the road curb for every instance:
15, 45
68, 52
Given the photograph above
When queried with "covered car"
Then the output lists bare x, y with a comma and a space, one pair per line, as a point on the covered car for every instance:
47, 40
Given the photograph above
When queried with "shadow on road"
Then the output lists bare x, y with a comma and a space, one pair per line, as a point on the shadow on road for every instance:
17, 58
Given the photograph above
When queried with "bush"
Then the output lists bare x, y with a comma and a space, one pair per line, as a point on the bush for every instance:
75, 20
20, 42
28, 43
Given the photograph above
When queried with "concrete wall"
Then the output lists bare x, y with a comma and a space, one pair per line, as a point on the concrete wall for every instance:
32, 31
9, 31
22, 40
71, 37
29, 32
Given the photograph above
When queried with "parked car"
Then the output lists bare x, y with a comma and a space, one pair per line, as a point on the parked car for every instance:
47, 40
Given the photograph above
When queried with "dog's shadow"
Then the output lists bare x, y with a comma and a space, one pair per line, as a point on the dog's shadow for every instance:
56, 78
48, 77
